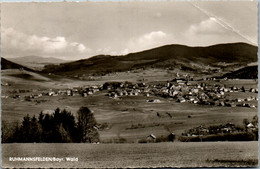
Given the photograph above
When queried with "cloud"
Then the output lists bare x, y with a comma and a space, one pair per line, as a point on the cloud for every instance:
226, 25
144, 42
16, 43
110, 51
208, 26
148, 41
208, 30
211, 30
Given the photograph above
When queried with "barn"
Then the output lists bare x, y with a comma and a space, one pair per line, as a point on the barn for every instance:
151, 138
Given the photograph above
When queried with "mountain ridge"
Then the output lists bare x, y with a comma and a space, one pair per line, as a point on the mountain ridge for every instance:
168, 56
37, 59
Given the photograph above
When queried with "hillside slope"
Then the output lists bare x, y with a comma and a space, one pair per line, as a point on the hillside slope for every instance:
36, 62
36, 59
6, 64
250, 72
169, 56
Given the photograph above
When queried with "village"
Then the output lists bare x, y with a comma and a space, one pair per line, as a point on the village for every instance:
181, 89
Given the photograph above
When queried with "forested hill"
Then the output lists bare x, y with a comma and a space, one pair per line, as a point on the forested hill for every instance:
162, 57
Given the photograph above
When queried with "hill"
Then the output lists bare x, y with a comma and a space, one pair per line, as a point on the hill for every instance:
6, 64
36, 59
169, 56
249, 72
36, 62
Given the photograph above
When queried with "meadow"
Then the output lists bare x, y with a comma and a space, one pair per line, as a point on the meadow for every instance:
130, 117
151, 155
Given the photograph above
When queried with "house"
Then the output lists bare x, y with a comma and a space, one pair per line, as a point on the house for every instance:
195, 101
69, 92
196, 90
250, 125
249, 99
51, 93
252, 105
239, 100
181, 100
90, 92
179, 80
174, 93
154, 101
221, 103
151, 138
252, 90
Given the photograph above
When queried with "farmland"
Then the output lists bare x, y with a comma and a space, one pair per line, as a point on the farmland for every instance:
128, 117
132, 104
226, 154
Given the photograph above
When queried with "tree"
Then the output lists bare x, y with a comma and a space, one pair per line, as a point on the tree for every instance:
36, 130
59, 127
64, 135
245, 122
40, 118
255, 121
86, 126
10, 131
243, 89
25, 133
30, 130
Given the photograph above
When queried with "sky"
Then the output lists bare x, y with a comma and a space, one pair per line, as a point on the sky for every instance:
72, 31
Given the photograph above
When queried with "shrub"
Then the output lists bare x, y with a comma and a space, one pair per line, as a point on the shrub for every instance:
162, 139
142, 141
120, 140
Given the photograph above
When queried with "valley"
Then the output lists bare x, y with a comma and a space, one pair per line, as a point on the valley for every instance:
129, 116
144, 97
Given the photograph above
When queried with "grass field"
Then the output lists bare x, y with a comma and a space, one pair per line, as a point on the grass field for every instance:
121, 114
200, 154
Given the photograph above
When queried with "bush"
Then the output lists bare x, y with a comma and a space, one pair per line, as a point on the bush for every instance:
162, 139
120, 140
142, 141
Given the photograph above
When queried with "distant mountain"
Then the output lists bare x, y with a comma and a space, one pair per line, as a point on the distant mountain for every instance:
36, 62
169, 56
6, 64
249, 72
37, 59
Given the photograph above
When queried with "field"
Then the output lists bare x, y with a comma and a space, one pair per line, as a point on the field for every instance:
121, 114
226, 154
129, 117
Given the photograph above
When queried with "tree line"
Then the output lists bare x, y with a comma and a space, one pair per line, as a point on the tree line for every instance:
59, 127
